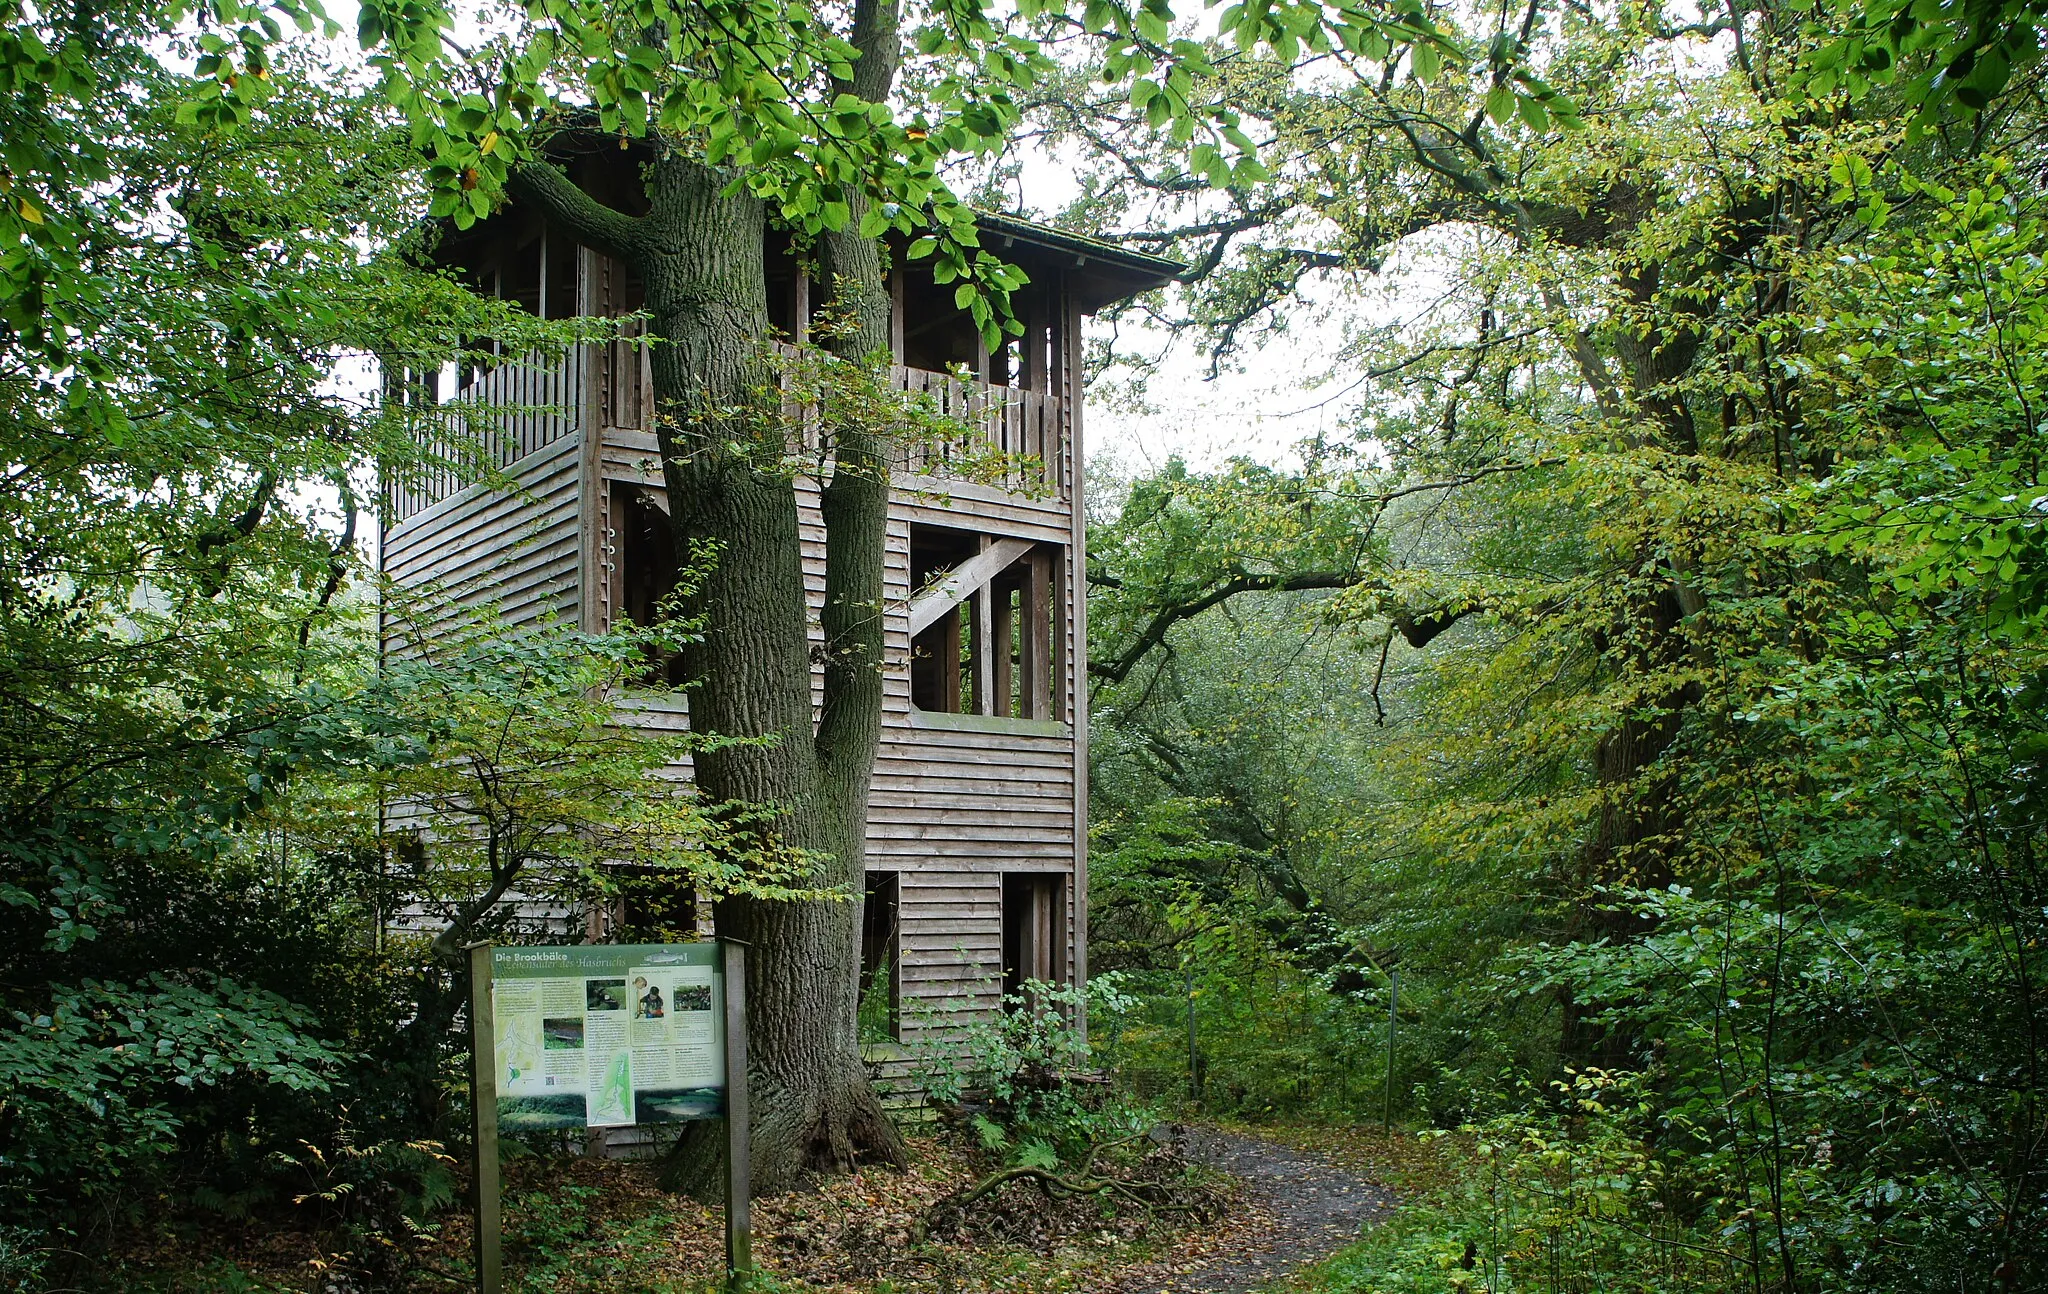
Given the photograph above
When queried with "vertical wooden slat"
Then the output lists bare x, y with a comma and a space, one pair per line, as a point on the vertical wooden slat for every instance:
1032, 376
1038, 644
949, 671
1002, 644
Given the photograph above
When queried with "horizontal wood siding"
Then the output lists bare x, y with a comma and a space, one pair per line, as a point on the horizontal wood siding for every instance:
950, 811
484, 550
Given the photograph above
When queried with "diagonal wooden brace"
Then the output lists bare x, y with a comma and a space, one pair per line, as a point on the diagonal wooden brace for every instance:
962, 581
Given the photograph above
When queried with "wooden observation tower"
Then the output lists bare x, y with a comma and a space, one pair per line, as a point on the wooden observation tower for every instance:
977, 832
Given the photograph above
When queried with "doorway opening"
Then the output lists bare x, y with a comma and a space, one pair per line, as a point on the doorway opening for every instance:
881, 990
1034, 929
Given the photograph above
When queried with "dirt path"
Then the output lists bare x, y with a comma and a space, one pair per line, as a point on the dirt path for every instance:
1304, 1208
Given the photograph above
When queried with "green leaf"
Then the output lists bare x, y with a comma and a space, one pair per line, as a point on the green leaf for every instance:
1500, 103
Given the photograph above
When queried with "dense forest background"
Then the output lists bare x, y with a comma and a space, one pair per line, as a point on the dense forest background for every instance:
1650, 670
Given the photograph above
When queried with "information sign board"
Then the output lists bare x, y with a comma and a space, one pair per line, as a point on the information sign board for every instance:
602, 1035
607, 1035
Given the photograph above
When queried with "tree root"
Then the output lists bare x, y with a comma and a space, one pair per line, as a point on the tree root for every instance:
1151, 1196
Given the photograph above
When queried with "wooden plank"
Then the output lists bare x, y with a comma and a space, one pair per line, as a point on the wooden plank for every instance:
983, 906
949, 662
943, 922
592, 512
425, 523
1042, 839
936, 730
546, 491
988, 855
1002, 643
967, 795
1035, 614
1035, 809
529, 539
963, 580
480, 530
939, 760
931, 501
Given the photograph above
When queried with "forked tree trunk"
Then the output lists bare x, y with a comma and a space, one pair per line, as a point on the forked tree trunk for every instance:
725, 454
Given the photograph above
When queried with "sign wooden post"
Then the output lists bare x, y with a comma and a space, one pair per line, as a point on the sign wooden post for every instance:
739, 1153
483, 1104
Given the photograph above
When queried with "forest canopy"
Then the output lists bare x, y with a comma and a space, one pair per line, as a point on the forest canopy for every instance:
1650, 669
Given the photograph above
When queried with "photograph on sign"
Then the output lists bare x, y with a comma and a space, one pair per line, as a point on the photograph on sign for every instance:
598, 1036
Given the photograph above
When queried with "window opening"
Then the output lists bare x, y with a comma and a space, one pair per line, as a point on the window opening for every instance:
881, 991
1034, 929
991, 652
941, 667
644, 572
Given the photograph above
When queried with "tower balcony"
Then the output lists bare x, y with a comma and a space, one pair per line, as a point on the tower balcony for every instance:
1006, 436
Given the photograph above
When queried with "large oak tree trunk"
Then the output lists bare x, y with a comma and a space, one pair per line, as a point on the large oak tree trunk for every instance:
798, 791
820, 1112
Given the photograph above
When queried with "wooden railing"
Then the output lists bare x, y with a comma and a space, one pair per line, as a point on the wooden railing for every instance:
511, 410
1015, 438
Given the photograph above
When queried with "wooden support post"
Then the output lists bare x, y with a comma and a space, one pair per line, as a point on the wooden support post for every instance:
801, 309
896, 312
1067, 319
1051, 959
739, 1150
983, 641
483, 1104
1062, 579
1036, 657
949, 661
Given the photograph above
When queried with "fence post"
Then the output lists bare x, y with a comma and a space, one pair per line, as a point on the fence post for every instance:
1194, 1057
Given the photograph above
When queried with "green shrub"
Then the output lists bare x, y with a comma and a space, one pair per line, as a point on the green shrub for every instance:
1560, 1196
1024, 1077
101, 1084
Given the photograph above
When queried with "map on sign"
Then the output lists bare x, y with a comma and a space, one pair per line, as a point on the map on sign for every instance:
605, 1035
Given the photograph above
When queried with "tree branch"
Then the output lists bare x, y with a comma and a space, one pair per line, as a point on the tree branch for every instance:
1167, 617
583, 217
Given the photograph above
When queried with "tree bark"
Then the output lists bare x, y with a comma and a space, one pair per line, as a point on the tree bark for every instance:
725, 449
806, 1026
